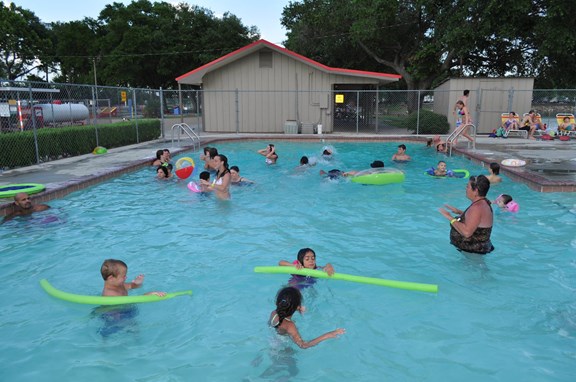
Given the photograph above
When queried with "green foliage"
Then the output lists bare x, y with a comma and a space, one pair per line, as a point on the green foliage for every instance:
427, 122
24, 40
17, 149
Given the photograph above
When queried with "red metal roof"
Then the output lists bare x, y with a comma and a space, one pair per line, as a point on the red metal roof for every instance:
195, 76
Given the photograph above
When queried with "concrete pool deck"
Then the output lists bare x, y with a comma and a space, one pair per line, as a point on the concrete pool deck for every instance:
551, 165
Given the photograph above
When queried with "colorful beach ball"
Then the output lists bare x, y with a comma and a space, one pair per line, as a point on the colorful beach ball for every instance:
184, 167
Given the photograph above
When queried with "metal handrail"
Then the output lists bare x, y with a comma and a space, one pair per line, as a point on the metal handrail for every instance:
456, 133
189, 131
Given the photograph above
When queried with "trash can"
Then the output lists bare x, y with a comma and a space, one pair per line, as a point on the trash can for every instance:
319, 129
177, 110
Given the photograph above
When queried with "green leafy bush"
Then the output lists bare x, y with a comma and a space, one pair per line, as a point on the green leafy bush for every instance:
429, 123
17, 149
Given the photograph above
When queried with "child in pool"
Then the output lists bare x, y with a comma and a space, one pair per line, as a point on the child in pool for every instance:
494, 170
204, 175
307, 259
114, 275
440, 169
288, 301
507, 203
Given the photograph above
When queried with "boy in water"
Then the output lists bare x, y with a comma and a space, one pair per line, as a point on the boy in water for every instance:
114, 275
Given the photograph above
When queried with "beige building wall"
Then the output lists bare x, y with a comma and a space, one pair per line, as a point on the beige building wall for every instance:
489, 98
268, 97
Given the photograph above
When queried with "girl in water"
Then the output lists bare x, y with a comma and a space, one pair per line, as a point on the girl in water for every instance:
221, 184
288, 301
306, 258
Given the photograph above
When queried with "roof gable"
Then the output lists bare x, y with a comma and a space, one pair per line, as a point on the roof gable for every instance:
195, 76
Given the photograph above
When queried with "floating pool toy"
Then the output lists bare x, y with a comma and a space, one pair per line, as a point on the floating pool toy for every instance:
344, 277
194, 187
106, 300
378, 176
10, 190
513, 162
457, 173
99, 150
184, 167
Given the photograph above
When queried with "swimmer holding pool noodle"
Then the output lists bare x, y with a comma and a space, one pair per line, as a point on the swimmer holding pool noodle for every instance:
432, 288
106, 300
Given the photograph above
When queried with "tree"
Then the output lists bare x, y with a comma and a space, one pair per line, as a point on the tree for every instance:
425, 41
25, 41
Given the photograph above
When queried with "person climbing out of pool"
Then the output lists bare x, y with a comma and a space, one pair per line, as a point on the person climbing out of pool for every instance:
470, 230
270, 153
288, 301
506, 202
114, 275
23, 206
494, 171
221, 184
401, 155
236, 179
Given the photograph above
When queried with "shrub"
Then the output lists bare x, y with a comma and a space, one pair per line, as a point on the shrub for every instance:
429, 123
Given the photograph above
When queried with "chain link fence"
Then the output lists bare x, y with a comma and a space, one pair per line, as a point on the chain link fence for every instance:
45, 121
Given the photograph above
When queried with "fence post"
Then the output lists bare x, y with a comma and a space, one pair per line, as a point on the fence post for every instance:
418, 114
510, 98
162, 111
135, 113
377, 109
33, 118
198, 113
357, 115
237, 111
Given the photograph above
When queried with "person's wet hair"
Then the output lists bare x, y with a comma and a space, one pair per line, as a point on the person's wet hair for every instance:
204, 175
235, 168
112, 267
287, 302
304, 160
302, 253
213, 152
495, 167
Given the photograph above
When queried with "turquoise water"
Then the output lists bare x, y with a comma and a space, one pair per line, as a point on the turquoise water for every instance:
510, 315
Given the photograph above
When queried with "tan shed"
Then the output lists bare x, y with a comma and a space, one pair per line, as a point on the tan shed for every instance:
264, 88
488, 99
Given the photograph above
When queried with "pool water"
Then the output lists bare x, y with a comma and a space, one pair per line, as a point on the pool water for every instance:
510, 315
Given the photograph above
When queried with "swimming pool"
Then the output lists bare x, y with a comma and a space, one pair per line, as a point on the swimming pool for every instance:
510, 315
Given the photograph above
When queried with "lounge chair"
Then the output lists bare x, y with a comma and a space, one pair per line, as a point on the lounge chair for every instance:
504, 117
560, 119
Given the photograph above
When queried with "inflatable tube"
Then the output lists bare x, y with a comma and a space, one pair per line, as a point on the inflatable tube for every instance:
378, 176
10, 190
106, 300
99, 150
194, 187
344, 277
184, 167
457, 173
513, 162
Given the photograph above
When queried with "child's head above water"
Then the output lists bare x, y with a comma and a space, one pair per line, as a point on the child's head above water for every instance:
288, 300
506, 202
205, 175
112, 267
307, 258
441, 165
495, 168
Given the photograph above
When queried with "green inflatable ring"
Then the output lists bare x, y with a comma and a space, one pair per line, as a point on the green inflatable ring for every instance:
344, 277
378, 176
106, 300
10, 190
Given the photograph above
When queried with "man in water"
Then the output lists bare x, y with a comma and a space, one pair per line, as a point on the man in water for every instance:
23, 206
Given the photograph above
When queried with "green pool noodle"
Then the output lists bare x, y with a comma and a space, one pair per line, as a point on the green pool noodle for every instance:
432, 288
106, 300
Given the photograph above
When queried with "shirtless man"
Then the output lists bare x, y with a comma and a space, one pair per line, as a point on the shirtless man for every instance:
401, 155
23, 206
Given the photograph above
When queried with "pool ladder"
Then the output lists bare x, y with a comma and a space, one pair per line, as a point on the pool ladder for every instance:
187, 130
457, 133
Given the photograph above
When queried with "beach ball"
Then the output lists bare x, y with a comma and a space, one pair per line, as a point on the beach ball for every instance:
184, 167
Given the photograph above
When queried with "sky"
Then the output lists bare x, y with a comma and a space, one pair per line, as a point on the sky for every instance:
264, 14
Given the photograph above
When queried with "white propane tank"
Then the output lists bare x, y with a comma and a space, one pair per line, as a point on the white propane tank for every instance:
66, 112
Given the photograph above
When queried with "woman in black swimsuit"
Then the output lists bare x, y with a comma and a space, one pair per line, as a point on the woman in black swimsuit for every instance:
470, 231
